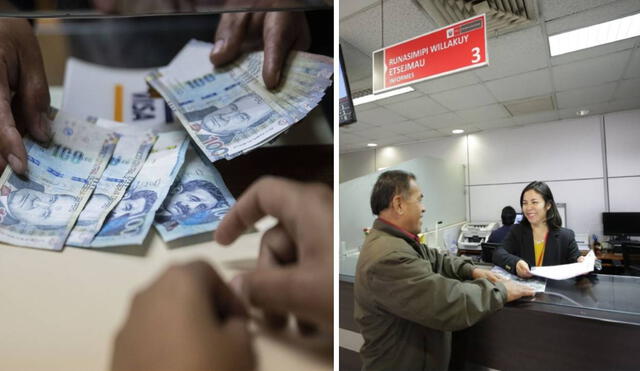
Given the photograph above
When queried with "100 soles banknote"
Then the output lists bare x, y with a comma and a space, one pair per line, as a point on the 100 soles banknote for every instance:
197, 201
129, 222
228, 111
39, 209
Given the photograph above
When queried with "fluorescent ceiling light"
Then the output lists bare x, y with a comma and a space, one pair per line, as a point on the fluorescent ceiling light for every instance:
373, 97
457, 131
598, 34
372, 145
582, 112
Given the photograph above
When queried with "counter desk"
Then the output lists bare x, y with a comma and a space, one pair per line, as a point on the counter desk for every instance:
590, 322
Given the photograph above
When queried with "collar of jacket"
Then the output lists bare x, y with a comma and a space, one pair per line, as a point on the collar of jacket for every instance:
394, 230
551, 244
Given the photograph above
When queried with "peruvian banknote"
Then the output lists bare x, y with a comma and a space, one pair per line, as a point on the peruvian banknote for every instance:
197, 201
129, 222
39, 209
228, 111
128, 157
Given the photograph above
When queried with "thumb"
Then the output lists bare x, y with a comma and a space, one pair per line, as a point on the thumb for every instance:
236, 331
274, 289
229, 37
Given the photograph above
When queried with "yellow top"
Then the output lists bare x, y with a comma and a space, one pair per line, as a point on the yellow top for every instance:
538, 247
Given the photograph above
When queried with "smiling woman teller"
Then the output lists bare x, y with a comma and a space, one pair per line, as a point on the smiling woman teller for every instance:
539, 239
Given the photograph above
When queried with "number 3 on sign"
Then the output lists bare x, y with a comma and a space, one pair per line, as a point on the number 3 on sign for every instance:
475, 53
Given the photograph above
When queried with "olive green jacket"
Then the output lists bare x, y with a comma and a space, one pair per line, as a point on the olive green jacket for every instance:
408, 299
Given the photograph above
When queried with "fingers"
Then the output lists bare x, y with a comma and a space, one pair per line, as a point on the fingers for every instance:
283, 31
226, 303
11, 146
268, 196
271, 290
235, 330
32, 96
230, 34
276, 249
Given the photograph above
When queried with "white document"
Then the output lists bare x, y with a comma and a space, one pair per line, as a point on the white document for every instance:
565, 271
117, 94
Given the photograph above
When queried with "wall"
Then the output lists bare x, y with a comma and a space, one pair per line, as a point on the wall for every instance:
592, 164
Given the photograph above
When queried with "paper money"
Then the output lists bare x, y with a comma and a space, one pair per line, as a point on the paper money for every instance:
228, 111
128, 157
40, 209
197, 201
129, 222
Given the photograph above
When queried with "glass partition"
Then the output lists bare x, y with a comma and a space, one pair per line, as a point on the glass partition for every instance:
114, 8
442, 184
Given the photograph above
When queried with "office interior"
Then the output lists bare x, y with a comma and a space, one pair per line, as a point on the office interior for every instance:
571, 120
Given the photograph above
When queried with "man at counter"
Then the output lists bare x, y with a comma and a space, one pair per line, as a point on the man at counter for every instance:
408, 297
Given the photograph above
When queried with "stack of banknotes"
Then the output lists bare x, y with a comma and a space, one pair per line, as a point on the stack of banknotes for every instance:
228, 111
102, 183
99, 183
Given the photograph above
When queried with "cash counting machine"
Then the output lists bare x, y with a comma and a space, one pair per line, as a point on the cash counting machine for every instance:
472, 234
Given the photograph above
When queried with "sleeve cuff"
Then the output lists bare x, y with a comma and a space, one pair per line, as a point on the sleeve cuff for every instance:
467, 269
503, 291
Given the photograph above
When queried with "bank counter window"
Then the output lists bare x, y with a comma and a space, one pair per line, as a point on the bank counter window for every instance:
587, 322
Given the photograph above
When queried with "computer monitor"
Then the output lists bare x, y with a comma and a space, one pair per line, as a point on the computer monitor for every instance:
518, 218
621, 225
346, 111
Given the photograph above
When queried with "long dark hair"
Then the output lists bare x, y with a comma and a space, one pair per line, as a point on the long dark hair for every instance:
554, 221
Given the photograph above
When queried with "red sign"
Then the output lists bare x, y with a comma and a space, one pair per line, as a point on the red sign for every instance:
450, 49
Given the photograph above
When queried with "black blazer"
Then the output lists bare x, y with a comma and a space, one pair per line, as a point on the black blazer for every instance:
561, 248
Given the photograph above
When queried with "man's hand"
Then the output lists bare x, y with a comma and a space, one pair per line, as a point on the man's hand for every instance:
580, 259
295, 266
24, 92
478, 273
276, 32
522, 269
515, 291
188, 319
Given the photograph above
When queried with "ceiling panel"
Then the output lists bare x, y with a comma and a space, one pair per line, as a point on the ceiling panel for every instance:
442, 121
362, 30
496, 124
463, 98
529, 84
410, 15
634, 65
380, 116
612, 10
421, 135
484, 113
536, 118
365, 107
515, 52
628, 89
590, 72
553, 9
417, 108
357, 63
348, 8
402, 97
586, 96
357, 127
405, 127
448, 82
